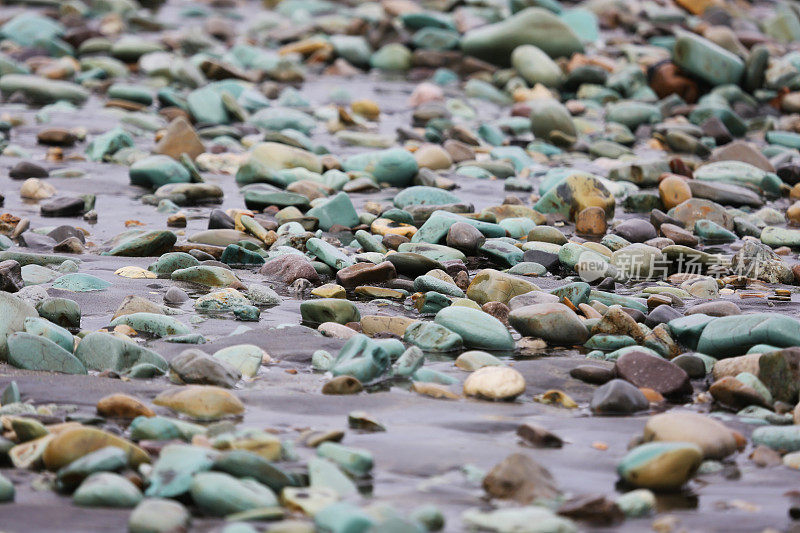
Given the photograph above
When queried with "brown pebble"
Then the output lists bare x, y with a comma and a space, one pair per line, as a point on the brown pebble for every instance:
123, 406
499, 310
342, 385
591, 221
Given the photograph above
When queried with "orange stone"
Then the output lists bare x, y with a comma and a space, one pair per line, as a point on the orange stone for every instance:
673, 191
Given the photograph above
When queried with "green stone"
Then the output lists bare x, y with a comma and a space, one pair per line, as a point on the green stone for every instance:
394, 166
338, 210
775, 237
107, 144
41, 90
362, 358
244, 463
153, 324
706, 60
61, 311
432, 337
102, 351
780, 438
244, 357
329, 310
176, 466
236, 255
391, 57
323, 473
281, 118
710, 231
535, 66
206, 106
211, 276
328, 254
32, 352
146, 244
106, 459
435, 229
740, 173
343, 518
172, 261
158, 170
219, 494
734, 335
355, 461
534, 26
423, 195
427, 283
13, 313
476, 328
45, 328
106, 489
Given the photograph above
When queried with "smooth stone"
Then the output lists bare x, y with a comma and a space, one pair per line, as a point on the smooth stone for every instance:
73, 443
158, 170
476, 359
329, 310
707, 60
156, 515
43, 91
490, 285
61, 311
780, 438
646, 371
33, 352
196, 366
211, 276
432, 337
734, 335
220, 494
660, 465
79, 282
106, 489
555, 323
202, 402
106, 459
618, 397
534, 26
495, 383
477, 329
102, 351
157, 325
13, 313
712, 436
246, 358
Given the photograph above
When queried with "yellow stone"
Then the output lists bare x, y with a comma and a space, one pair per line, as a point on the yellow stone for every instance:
73, 443
308, 500
434, 390
29, 453
599, 248
379, 292
330, 290
490, 285
466, 302
695, 7
134, 272
259, 442
202, 402
366, 108
440, 274
372, 324
502, 212
556, 397
385, 226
